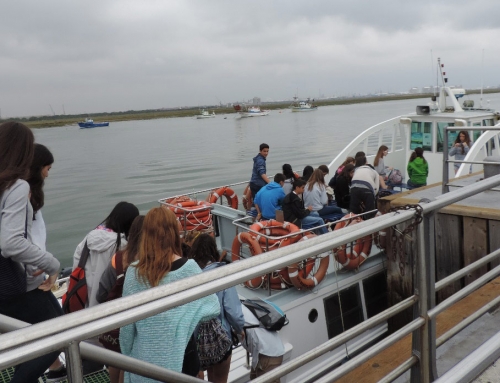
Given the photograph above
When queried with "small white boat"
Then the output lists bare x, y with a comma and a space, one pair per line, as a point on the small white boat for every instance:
302, 106
205, 114
250, 111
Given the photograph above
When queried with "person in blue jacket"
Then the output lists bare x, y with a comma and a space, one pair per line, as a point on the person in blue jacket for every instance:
269, 198
204, 252
259, 176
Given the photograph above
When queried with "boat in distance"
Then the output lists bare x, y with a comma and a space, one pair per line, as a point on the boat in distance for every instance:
205, 114
89, 123
302, 106
250, 111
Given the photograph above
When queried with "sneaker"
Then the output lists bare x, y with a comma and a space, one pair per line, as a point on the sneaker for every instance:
56, 375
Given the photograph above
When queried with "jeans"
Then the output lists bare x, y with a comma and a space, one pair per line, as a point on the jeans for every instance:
312, 220
33, 307
362, 200
327, 210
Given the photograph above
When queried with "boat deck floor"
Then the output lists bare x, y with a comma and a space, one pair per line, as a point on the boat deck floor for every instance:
450, 352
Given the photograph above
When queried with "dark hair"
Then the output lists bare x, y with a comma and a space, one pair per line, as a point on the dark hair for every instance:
16, 148
306, 173
360, 161
316, 177
298, 182
324, 169
204, 250
42, 157
120, 219
419, 152
278, 177
467, 139
134, 239
287, 171
347, 169
263, 146
380, 154
359, 154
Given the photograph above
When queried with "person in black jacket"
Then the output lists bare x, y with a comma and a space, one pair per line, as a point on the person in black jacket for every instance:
295, 212
342, 188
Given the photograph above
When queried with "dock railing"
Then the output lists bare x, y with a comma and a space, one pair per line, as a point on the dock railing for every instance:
66, 333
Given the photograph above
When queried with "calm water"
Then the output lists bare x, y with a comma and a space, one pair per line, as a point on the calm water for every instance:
143, 161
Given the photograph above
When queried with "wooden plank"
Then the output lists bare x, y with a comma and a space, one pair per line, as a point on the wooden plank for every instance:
494, 235
449, 246
475, 245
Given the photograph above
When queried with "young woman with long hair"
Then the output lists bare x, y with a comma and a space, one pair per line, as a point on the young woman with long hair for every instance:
165, 339
342, 188
460, 148
29, 299
290, 176
204, 252
315, 196
378, 164
418, 169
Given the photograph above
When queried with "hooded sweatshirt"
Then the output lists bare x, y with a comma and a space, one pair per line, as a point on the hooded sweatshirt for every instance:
259, 168
418, 170
102, 245
269, 199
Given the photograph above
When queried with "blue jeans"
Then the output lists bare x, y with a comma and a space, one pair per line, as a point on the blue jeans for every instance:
312, 220
327, 210
33, 307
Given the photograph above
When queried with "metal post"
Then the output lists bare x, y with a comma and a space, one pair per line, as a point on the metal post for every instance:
446, 166
74, 363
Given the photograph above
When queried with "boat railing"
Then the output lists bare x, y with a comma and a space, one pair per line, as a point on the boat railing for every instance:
486, 145
67, 332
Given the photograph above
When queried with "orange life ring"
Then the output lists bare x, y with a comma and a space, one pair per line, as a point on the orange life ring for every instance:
299, 273
275, 228
191, 214
354, 257
248, 239
380, 239
232, 198
247, 198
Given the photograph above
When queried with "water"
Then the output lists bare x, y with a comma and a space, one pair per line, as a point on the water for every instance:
143, 161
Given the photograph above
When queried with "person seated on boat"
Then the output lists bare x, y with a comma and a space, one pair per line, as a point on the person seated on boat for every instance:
378, 164
333, 180
290, 176
265, 346
307, 172
418, 169
165, 339
295, 212
204, 252
460, 149
342, 188
315, 196
269, 198
365, 184
259, 177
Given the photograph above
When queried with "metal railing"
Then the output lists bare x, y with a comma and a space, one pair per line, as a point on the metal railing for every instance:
66, 332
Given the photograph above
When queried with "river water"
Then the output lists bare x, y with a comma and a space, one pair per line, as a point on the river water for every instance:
143, 161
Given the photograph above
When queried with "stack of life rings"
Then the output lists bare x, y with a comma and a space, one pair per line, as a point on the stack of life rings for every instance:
353, 255
231, 197
191, 214
286, 277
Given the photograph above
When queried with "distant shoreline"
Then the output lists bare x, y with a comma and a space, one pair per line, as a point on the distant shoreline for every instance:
64, 120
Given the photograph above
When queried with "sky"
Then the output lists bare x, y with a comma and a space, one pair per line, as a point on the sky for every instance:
108, 56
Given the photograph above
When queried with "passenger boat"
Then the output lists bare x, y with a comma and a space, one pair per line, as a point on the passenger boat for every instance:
250, 111
205, 114
89, 123
302, 106
336, 309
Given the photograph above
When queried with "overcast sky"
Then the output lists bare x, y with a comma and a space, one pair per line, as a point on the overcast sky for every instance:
103, 56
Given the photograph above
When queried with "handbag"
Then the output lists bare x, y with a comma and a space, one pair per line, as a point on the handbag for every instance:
12, 273
213, 342
77, 294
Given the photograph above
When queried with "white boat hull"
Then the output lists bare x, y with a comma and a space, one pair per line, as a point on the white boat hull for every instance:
254, 114
298, 109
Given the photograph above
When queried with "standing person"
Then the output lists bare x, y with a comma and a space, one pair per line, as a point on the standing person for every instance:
259, 176
24, 297
290, 176
315, 196
418, 169
264, 345
378, 164
269, 198
307, 172
295, 212
111, 287
342, 188
165, 339
460, 149
204, 252
365, 184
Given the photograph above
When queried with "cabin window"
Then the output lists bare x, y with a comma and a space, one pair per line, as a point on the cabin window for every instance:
375, 289
421, 135
352, 311
477, 133
452, 135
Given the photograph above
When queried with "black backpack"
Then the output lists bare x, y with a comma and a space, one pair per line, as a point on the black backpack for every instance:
270, 316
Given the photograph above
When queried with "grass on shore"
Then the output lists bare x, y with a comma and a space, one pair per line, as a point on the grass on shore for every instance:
64, 120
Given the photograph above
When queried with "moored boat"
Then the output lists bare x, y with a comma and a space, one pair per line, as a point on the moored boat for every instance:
205, 114
250, 111
302, 106
89, 123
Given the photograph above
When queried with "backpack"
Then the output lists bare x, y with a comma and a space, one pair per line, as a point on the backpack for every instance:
269, 315
76, 296
395, 177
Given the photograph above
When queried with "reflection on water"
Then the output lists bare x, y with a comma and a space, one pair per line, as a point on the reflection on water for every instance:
143, 161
